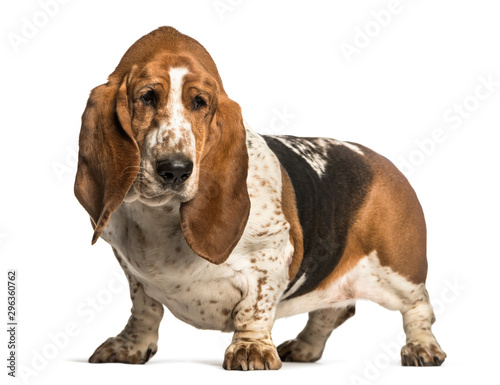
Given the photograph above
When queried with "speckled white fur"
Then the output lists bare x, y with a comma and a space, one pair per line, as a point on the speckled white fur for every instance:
304, 149
336, 142
150, 242
314, 151
177, 122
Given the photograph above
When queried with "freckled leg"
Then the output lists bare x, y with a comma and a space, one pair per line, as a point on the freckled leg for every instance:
395, 293
252, 347
137, 343
421, 347
310, 343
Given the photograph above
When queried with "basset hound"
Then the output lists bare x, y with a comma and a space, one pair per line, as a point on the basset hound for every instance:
231, 230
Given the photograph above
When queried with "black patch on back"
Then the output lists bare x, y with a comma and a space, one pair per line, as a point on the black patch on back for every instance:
327, 205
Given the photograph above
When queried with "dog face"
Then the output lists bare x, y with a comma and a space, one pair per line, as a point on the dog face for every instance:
172, 102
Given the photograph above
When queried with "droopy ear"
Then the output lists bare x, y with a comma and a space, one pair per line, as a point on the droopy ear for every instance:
214, 220
108, 158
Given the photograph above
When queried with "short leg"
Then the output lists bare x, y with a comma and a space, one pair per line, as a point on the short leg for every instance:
310, 343
137, 343
421, 347
252, 347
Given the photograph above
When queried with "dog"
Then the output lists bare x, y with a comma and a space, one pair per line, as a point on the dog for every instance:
231, 230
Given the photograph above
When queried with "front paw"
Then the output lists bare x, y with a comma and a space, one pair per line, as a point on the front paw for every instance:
119, 349
250, 354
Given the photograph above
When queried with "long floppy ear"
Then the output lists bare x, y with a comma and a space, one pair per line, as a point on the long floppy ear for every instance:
108, 158
214, 220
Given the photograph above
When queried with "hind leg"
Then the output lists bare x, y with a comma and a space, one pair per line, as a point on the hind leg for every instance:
421, 347
310, 343
393, 291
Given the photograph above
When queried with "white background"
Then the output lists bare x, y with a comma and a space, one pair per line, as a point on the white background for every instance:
398, 91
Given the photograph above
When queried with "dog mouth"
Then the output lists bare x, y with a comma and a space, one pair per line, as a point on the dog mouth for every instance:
153, 189
159, 189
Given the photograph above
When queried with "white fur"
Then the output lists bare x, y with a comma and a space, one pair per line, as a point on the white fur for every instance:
315, 151
177, 122
325, 142
304, 149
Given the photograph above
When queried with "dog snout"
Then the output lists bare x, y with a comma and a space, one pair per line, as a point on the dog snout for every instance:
174, 170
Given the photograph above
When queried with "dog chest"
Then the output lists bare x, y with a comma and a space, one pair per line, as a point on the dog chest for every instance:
151, 246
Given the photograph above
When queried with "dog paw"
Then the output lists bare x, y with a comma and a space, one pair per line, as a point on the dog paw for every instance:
297, 350
251, 355
414, 354
119, 349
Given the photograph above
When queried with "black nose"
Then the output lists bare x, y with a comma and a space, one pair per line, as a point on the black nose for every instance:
174, 170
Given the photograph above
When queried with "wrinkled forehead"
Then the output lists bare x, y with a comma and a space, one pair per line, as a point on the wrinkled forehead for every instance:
169, 70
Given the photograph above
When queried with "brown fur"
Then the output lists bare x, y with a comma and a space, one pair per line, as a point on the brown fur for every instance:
215, 219
391, 221
289, 207
108, 159
395, 224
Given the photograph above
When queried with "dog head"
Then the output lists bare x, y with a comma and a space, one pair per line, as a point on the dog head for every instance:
163, 128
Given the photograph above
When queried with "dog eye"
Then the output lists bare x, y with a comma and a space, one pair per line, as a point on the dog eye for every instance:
198, 103
149, 98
